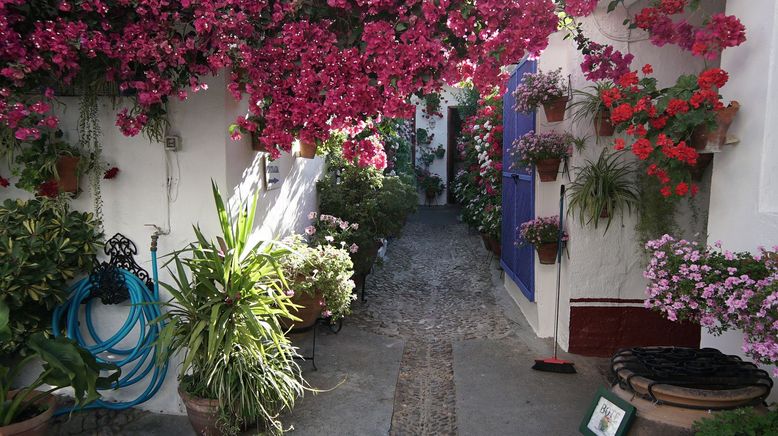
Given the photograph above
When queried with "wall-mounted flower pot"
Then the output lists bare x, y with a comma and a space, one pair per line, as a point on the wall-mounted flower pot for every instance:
431, 194
555, 109
202, 413
604, 212
713, 139
38, 425
548, 169
602, 124
67, 170
547, 253
698, 169
307, 150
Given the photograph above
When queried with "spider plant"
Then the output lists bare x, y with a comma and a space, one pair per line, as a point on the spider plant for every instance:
587, 106
603, 189
228, 298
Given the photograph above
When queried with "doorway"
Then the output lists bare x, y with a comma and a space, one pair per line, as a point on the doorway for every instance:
453, 161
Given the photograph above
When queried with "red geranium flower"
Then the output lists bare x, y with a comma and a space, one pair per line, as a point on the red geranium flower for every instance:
4, 182
111, 173
48, 189
666, 191
648, 69
622, 113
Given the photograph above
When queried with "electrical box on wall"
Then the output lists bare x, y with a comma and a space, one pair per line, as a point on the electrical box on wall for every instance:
172, 143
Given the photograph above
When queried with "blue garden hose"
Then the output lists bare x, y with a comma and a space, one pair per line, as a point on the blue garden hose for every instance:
141, 358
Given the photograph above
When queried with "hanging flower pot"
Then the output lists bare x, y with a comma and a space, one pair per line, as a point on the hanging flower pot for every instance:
548, 169
555, 109
712, 139
604, 212
547, 253
602, 123
67, 170
307, 150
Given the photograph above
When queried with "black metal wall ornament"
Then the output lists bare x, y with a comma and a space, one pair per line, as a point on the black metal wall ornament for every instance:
108, 282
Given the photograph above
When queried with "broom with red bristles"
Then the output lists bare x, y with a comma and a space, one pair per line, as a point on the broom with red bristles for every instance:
554, 364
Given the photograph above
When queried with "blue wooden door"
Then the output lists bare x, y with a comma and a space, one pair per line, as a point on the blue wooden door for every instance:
518, 192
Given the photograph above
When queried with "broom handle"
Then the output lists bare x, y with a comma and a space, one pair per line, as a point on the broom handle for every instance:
560, 234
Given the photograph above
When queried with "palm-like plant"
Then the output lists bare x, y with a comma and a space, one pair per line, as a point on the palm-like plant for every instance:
603, 189
224, 316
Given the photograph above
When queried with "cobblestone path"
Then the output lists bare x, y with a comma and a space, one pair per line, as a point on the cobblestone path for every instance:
434, 288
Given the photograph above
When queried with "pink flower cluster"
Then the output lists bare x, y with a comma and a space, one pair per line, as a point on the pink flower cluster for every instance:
538, 88
719, 32
533, 147
719, 289
604, 62
542, 230
365, 152
305, 70
580, 8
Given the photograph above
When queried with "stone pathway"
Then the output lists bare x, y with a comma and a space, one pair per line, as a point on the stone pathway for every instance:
435, 287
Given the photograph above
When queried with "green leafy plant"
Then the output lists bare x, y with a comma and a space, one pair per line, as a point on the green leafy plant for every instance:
739, 422
229, 296
603, 189
65, 364
440, 152
36, 161
430, 183
44, 245
588, 106
321, 269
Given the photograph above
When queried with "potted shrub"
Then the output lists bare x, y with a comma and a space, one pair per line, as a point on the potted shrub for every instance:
603, 189
440, 152
229, 296
44, 245
589, 107
545, 151
48, 166
543, 234
546, 89
27, 410
431, 184
320, 278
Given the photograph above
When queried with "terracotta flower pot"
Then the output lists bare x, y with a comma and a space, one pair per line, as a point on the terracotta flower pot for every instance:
713, 139
555, 109
431, 194
308, 313
698, 170
37, 425
307, 150
67, 170
485, 240
604, 212
602, 123
203, 413
547, 253
494, 246
548, 169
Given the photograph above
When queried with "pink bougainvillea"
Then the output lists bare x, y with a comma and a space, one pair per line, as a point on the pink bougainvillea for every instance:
580, 8
306, 67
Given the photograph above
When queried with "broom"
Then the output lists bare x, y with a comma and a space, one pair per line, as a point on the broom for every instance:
553, 364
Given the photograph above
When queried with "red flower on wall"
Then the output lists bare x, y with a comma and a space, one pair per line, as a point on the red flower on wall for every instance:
111, 173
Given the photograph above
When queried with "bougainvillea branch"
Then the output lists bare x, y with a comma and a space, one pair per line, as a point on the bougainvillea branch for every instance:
305, 66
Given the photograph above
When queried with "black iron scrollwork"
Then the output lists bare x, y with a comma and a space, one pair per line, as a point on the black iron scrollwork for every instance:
108, 283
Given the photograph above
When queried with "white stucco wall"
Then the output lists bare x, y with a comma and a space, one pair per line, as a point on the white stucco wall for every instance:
599, 265
438, 126
138, 195
744, 186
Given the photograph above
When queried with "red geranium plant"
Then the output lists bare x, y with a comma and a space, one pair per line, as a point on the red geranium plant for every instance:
662, 122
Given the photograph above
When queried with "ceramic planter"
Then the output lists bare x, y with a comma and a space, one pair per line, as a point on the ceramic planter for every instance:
202, 413
37, 425
555, 109
713, 139
602, 123
307, 150
67, 170
548, 169
547, 253
308, 313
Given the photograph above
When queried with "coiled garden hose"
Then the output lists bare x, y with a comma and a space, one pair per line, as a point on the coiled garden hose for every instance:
136, 362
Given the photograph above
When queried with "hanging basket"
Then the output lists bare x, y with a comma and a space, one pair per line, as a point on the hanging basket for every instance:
548, 169
307, 150
702, 138
602, 123
67, 170
555, 109
547, 253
